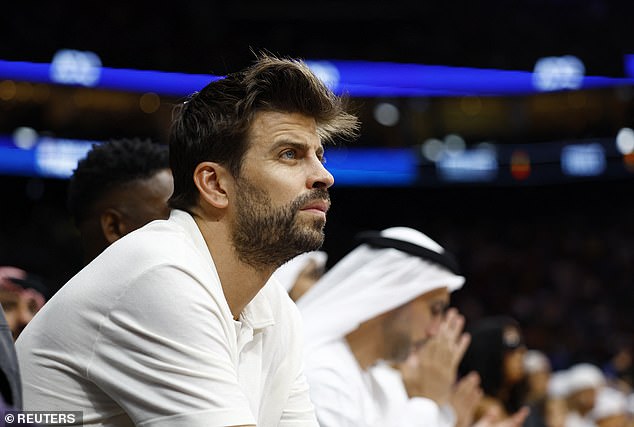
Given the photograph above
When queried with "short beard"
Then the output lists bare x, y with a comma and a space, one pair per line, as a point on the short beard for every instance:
397, 342
265, 236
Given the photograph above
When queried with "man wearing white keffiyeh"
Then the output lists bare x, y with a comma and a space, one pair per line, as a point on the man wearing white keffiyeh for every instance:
299, 274
382, 302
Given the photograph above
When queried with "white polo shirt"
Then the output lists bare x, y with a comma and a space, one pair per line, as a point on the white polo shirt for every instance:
143, 336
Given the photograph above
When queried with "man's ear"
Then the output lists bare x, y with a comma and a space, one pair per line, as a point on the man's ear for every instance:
112, 225
212, 181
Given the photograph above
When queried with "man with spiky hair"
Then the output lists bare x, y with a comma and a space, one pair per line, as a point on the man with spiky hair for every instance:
119, 186
177, 324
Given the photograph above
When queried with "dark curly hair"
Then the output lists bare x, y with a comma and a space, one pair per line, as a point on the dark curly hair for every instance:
109, 165
213, 124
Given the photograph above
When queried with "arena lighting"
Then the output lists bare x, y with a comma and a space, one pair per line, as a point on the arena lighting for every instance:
583, 160
46, 157
363, 78
625, 141
629, 65
558, 73
542, 163
75, 67
476, 165
386, 114
163, 83
454, 144
356, 78
57, 158
373, 166
432, 149
520, 165
25, 137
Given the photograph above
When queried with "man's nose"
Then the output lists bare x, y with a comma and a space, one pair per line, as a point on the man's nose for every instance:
320, 177
434, 326
24, 316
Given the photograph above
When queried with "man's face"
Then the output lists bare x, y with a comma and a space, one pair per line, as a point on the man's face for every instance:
538, 382
281, 195
513, 368
307, 277
19, 308
415, 322
146, 200
584, 400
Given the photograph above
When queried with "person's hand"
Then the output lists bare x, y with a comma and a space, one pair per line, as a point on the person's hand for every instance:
465, 397
430, 371
490, 419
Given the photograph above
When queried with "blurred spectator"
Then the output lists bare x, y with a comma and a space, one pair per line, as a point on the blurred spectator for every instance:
584, 380
384, 301
538, 373
10, 385
556, 405
496, 353
120, 186
618, 370
300, 274
22, 295
538, 370
610, 409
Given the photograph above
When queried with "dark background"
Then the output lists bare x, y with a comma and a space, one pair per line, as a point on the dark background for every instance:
557, 256
201, 36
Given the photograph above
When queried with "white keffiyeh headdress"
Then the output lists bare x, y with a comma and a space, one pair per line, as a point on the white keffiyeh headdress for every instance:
390, 269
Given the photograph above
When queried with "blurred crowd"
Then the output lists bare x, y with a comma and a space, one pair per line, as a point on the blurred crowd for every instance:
565, 276
567, 281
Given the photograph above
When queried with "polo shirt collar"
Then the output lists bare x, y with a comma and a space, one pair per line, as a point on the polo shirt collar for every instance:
258, 313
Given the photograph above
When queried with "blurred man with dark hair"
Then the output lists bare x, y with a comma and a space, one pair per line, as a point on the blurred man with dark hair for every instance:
118, 187
22, 295
10, 385
300, 273
173, 325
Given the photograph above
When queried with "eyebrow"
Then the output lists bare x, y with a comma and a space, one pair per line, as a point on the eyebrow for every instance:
297, 145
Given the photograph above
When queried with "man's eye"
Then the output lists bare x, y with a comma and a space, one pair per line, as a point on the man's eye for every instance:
289, 154
439, 310
9, 305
